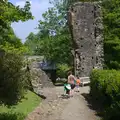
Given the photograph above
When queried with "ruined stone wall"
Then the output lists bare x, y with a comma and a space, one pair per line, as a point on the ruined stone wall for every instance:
85, 23
39, 79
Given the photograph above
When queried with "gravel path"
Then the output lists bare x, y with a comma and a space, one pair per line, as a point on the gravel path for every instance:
78, 109
57, 108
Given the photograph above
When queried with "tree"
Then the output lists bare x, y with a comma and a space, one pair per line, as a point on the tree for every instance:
53, 22
55, 39
12, 81
8, 14
13, 39
31, 43
56, 48
111, 20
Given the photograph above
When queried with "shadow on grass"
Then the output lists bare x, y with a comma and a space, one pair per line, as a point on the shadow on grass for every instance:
12, 116
93, 104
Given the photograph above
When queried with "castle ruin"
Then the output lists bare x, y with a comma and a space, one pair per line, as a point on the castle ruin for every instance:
85, 21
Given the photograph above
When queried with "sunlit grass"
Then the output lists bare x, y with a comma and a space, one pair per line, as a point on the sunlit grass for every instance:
19, 111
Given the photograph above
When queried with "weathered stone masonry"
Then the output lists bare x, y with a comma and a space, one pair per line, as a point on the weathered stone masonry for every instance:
86, 26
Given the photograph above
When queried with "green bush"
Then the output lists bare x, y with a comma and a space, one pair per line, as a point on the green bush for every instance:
62, 70
105, 87
12, 75
11, 78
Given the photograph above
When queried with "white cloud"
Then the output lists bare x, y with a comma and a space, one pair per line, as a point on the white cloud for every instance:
20, 3
38, 7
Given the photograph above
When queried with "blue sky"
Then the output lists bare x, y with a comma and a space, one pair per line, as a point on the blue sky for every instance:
22, 29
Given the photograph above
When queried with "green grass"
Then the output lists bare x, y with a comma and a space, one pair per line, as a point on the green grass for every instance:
19, 111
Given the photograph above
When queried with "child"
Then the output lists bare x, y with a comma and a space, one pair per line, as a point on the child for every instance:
71, 82
78, 84
67, 88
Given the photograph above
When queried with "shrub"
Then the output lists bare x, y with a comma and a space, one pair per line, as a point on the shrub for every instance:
105, 87
62, 70
12, 75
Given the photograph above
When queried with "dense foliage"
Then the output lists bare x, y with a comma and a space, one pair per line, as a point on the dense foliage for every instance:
12, 80
11, 75
53, 40
53, 37
105, 88
31, 43
111, 18
62, 71
8, 14
56, 48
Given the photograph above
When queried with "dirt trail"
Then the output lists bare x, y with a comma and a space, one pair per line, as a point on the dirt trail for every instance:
78, 109
57, 108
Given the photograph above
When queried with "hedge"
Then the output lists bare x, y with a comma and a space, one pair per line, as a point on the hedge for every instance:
105, 88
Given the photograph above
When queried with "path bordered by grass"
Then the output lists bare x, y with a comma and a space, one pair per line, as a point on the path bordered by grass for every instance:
21, 110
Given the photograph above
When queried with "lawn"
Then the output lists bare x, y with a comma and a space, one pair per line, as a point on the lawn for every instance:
21, 110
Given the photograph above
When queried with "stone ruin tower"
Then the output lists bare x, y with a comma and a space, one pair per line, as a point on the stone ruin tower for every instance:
86, 26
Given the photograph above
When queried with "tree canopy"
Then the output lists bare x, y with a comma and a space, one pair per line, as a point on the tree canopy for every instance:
12, 77
53, 37
111, 20
31, 43
8, 14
